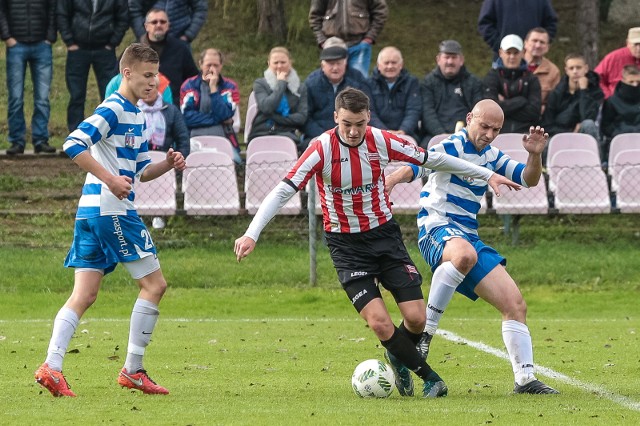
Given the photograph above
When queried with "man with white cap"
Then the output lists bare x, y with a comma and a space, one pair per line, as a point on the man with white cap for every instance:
514, 87
324, 83
610, 68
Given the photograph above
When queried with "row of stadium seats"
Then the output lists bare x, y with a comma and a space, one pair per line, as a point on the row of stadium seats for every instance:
574, 182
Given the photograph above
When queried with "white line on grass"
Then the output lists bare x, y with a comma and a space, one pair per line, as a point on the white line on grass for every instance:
548, 372
545, 371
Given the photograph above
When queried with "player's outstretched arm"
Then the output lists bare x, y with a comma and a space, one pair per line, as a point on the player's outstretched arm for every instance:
243, 246
534, 143
496, 180
173, 160
401, 175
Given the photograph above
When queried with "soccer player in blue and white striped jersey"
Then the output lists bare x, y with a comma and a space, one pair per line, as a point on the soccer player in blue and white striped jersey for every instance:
111, 146
448, 237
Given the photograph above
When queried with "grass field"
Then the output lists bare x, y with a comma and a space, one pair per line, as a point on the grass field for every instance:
252, 343
281, 355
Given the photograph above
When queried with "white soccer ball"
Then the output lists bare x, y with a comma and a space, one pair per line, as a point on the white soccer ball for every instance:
373, 379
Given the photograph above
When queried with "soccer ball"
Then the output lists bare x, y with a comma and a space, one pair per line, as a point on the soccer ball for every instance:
373, 379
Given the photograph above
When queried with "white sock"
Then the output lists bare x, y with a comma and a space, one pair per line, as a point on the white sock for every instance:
518, 342
143, 320
64, 326
446, 278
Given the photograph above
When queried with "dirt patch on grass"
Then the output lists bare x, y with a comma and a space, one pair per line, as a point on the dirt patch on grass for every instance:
39, 184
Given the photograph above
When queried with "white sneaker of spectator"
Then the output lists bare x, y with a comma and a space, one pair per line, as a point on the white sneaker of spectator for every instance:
158, 222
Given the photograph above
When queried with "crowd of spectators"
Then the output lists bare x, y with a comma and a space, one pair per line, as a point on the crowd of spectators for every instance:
530, 88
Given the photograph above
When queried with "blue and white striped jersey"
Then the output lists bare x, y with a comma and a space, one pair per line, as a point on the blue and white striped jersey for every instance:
115, 135
447, 198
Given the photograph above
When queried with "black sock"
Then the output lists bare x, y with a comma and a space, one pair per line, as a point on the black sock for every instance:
400, 346
415, 338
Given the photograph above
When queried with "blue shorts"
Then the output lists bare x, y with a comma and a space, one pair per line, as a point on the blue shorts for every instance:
103, 242
432, 246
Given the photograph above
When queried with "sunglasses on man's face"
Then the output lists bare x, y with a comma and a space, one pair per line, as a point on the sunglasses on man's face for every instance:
157, 21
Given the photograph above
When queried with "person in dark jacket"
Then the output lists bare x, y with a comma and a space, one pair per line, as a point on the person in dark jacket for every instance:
357, 22
91, 31
281, 99
573, 105
28, 28
186, 16
396, 94
176, 61
514, 87
620, 112
448, 92
498, 18
324, 83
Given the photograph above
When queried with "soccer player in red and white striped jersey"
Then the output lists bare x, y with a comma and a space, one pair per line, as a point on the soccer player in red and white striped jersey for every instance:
364, 241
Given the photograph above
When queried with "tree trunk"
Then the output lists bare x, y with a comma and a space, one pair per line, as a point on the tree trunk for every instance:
271, 19
587, 20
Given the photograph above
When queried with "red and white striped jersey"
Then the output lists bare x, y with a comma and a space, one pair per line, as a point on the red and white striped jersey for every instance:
350, 180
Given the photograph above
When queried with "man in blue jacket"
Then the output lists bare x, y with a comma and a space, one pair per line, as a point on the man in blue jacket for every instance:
396, 94
499, 18
324, 83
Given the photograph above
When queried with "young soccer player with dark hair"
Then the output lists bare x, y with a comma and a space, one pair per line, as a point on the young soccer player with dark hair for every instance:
364, 240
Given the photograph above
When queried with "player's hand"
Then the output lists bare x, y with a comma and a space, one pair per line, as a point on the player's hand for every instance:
176, 160
282, 75
536, 140
120, 186
496, 180
243, 246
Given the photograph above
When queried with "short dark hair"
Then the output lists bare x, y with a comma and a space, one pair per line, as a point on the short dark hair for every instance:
353, 100
136, 53
537, 30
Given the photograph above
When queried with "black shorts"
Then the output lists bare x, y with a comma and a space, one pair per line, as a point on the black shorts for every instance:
366, 258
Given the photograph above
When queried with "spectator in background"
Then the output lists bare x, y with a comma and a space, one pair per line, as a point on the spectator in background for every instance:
281, 99
91, 31
165, 129
28, 28
356, 22
621, 111
449, 92
176, 62
186, 16
536, 45
610, 68
324, 83
499, 18
514, 87
573, 105
209, 100
396, 94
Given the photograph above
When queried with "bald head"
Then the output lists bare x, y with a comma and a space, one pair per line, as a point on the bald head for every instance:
488, 108
484, 123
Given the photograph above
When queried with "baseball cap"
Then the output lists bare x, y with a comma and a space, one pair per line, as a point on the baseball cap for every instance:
634, 35
451, 46
512, 41
334, 48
